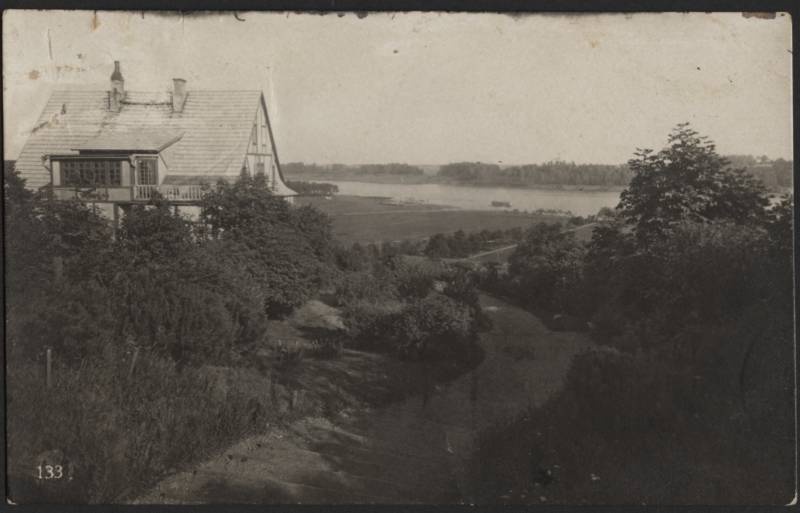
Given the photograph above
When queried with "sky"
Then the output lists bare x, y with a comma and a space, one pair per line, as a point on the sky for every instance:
432, 88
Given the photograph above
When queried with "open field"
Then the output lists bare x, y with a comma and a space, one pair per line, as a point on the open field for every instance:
365, 220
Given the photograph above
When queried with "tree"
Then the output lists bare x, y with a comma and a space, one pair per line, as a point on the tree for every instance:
546, 266
688, 181
284, 247
152, 232
438, 247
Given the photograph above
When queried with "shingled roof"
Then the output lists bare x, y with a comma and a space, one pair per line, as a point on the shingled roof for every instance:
213, 128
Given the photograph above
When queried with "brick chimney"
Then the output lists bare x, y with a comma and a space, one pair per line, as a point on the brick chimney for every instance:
178, 94
117, 93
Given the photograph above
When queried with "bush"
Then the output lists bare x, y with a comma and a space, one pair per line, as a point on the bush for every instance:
433, 328
288, 250
415, 278
370, 325
118, 435
690, 284
363, 286
182, 296
546, 268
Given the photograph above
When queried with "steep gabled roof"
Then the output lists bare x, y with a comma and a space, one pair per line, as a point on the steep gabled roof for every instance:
138, 141
214, 128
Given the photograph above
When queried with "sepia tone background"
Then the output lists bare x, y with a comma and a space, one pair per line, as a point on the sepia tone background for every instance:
577, 88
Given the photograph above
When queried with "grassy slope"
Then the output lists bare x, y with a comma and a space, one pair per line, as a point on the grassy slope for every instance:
404, 452
117, 435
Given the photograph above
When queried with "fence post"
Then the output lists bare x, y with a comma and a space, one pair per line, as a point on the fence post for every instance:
133, 362
49, 368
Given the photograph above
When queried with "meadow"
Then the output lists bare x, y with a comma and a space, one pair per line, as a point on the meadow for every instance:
374, 220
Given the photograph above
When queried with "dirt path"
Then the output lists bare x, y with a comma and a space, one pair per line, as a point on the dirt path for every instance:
414, 451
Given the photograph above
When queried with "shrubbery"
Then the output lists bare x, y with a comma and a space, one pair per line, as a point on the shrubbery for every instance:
161, 283
118, 434
412, 307
691, 284
434, 327
288, 249
461, 245
181, 296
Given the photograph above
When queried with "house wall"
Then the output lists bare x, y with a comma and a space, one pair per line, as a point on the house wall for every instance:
163, 170
260, 144
127, 178
56, 166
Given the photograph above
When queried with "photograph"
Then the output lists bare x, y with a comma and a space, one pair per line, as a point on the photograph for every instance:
398, 258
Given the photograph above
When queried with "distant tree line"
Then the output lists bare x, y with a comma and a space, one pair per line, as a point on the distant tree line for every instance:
549, 173
312, 188
773, 173
301, 169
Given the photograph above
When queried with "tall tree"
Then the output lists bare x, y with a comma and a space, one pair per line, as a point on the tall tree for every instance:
688, 181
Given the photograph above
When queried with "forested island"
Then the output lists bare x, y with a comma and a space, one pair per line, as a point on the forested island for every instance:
775, 174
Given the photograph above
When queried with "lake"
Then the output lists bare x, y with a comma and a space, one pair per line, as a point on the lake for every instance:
480, 198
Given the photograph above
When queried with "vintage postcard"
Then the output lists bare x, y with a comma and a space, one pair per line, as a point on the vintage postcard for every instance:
398, 258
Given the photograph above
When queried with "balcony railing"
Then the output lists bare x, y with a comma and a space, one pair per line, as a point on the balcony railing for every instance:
168, 192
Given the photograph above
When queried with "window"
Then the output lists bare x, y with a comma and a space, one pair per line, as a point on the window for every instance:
91, 173
146, 172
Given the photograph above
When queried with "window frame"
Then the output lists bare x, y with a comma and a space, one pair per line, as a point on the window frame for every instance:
138, 170
91, 172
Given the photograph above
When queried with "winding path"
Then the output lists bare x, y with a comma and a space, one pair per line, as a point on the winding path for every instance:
414, 451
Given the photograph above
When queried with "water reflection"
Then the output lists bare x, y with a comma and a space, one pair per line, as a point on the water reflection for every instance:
579, 202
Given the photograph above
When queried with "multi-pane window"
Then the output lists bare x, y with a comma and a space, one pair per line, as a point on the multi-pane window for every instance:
146, 173
91, 173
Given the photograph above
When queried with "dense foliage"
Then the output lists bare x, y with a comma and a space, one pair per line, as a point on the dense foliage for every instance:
546, 266
164, 297
688, 182
691, 285
287, 249
313, 188
409, 306
461, 245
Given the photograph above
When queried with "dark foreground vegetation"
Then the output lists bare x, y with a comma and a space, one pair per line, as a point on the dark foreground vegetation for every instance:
313, 188
689, 396
159, 336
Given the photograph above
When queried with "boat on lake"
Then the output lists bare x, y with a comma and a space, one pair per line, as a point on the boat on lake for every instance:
501, 204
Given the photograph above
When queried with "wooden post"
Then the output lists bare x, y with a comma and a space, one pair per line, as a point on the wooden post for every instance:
49, 368
133, 362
